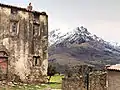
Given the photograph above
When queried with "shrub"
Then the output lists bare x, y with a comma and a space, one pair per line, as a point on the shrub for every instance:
51, 71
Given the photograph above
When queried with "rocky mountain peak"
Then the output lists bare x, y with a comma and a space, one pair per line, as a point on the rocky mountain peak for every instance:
80, 46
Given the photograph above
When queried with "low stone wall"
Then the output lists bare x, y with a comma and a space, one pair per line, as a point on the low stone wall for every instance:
73, 84
97, 81
93, 81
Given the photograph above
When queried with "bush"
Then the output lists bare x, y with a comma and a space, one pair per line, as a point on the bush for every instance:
51, 71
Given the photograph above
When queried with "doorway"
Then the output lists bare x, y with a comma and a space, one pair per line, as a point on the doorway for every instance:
3, 65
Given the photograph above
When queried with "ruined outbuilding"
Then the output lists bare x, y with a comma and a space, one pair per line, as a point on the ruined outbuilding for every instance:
23, 44
85, 78
113, 77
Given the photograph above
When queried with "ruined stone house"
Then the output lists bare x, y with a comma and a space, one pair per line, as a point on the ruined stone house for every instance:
23, 44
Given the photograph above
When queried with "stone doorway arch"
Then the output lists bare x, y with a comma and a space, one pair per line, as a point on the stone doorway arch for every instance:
3, 65
3, 62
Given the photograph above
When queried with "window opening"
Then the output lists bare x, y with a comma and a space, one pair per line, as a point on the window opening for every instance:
14, 27
36, 18
36, 60
14, 11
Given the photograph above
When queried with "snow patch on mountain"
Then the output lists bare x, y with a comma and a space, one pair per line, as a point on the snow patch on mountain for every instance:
80, 35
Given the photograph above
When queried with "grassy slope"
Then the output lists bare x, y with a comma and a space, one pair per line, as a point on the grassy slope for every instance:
55, 83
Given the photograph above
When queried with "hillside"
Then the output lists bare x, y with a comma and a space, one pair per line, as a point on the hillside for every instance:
81, 47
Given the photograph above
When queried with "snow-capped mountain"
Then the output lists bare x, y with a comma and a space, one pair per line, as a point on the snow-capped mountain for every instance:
81, 45
77, 36
56, 36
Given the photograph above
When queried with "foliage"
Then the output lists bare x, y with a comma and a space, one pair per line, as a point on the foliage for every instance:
56, 81
51, 71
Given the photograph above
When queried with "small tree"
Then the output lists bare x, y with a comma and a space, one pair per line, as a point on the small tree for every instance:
51, 71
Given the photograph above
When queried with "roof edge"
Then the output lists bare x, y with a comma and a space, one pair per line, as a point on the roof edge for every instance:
23, 9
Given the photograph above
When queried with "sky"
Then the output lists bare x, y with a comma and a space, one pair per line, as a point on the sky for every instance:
100, 17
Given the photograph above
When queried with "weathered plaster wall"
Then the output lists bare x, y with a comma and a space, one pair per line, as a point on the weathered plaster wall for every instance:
44, 33
19, 45
113, 80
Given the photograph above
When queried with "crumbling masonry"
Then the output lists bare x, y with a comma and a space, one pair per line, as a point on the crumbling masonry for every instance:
85, 78
96, 81
23, 44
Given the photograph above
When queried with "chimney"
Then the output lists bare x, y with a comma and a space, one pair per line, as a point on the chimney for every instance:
29, 7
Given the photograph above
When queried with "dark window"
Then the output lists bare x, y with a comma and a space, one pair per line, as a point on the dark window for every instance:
14, 11
14, 27
36, 60
36, 16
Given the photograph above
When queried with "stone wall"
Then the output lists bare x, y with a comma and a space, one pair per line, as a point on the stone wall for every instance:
95, 81
24, 44
73, 84
113, 80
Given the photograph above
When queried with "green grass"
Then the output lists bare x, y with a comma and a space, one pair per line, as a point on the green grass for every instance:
55, 83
